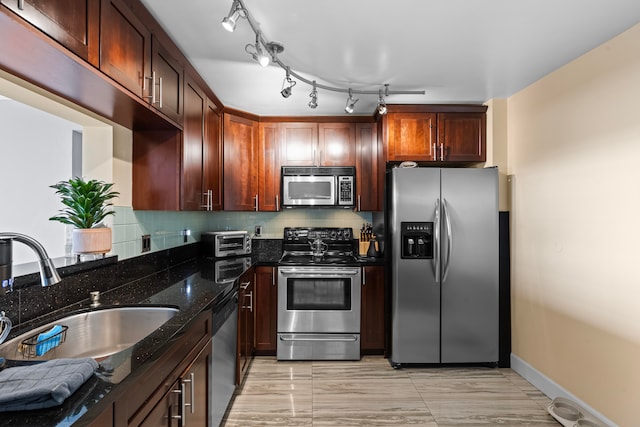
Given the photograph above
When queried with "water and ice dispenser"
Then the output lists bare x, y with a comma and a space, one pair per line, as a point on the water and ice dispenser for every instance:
417, 240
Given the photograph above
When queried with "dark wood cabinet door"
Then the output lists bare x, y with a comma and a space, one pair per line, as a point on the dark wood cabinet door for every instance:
240, 163
461, 137
191, 197
245, 325
213, 158
125, 47
168, 407
372, 321
269, 167
299, 146
411, 136
75, 24
266, 303
196, 386
337, 144
369, 193
168, 84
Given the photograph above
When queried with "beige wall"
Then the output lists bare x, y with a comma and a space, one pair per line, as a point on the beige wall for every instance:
574, 147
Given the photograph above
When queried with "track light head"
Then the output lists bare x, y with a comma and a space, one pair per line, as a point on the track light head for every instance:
287, 85
382, 106
236, 11
257, 53
351, 103
313, 104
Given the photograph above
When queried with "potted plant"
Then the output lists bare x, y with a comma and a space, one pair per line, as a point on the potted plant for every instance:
86, 203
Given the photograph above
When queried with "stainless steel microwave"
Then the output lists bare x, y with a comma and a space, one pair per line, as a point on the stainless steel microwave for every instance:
318, 186
222, 244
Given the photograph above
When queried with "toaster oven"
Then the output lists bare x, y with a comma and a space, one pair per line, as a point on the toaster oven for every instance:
222, 244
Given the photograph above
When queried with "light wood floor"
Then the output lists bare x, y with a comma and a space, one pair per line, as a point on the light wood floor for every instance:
370, 393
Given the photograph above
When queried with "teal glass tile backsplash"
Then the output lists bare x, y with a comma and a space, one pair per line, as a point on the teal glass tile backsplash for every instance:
165, 228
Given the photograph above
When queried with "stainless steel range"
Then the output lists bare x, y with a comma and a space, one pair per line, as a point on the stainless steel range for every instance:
318, 295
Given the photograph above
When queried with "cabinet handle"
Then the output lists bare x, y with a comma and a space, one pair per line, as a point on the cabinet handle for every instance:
277, 203
244, 285
192, 382
250, 306
364, 277
21, 4
273, 276
256, 202
160, 93
152, 97
359, 208
435, 151
442, 152
183, 404
208, 204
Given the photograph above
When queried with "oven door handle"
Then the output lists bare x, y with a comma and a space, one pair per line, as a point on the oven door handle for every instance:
320, 273
319, 337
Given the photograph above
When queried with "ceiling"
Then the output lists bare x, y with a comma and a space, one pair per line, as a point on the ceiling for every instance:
457, 51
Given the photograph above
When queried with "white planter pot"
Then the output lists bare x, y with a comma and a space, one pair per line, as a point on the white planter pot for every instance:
91, 240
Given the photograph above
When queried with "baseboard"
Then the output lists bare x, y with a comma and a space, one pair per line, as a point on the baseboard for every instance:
550, 387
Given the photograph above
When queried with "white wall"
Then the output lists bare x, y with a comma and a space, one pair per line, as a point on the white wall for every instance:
574, 146
36, 152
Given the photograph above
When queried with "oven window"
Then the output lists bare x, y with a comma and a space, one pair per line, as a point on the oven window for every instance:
318, 294
236, 242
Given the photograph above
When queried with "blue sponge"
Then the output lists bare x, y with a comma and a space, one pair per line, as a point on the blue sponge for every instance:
48, 340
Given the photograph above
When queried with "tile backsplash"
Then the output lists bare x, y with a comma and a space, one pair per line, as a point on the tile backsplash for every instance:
165, 228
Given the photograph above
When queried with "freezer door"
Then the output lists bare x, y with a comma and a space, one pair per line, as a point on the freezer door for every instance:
415, 300
470, 265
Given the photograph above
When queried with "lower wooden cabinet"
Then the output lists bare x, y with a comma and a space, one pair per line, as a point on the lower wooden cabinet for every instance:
246, 321
372, 320
266, 306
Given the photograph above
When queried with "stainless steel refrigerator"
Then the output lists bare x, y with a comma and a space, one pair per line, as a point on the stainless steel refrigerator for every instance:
443, 238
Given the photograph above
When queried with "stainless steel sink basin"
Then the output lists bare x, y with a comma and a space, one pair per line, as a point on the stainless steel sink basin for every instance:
96, 334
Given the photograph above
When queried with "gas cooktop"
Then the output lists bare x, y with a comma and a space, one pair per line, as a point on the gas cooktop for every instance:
318, 246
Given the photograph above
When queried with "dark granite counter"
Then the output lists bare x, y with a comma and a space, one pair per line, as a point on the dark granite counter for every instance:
178, 278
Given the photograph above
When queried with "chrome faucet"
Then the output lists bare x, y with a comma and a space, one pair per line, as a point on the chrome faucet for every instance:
48, 273
5, 327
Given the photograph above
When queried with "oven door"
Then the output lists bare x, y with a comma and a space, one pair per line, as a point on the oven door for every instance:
319, 300
301, 190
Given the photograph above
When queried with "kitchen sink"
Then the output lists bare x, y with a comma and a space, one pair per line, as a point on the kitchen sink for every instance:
97, 334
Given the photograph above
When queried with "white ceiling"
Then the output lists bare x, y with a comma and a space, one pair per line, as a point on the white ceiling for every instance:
458, 51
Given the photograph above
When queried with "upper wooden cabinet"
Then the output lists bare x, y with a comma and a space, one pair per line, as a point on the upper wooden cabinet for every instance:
269, 167
167, 82
72, 23
191, 190
336, 144
369, 174
317, 144
125, 47
240, 163
212, 158
435, 133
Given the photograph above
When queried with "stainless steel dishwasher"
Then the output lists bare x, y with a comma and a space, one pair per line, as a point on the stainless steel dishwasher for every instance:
223, 362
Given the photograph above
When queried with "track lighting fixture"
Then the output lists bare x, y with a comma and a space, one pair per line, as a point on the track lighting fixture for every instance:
382, 106
287, 85
257, 53
314, 97
237, 11
265, 51
351, 103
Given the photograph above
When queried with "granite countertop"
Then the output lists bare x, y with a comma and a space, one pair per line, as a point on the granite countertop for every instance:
191, 287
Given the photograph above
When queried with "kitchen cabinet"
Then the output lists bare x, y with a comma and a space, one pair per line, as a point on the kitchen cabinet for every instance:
318, 144
75, 24
240, 163
166, 84
432, 133
411, 136
369, 174
266, 305
212, 153
246, 319
164, 391
191, 191
269, 167
372, 320
186, 400
125, 46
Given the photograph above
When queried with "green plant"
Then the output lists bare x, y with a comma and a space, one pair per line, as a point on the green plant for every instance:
86, 202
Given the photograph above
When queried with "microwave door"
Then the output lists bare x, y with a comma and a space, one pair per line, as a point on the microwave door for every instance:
309, 190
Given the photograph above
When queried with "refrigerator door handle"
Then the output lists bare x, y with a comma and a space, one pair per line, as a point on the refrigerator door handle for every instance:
436, 234
447, 221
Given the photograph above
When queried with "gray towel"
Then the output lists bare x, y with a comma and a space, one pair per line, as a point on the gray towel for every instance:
43, 385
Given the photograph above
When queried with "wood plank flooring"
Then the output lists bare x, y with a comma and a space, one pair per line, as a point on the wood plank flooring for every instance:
371, 393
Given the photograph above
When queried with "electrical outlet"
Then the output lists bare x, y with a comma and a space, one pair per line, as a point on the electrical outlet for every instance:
146, 242
258, 230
